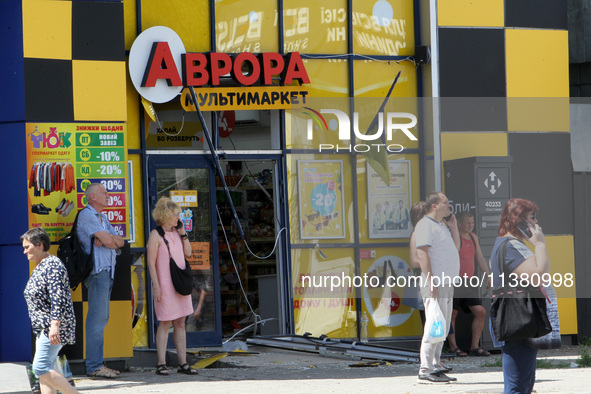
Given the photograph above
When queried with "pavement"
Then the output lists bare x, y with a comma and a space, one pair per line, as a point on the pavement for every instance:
272, 370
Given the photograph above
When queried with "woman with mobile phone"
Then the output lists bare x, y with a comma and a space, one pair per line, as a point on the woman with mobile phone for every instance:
171, 307
519, 225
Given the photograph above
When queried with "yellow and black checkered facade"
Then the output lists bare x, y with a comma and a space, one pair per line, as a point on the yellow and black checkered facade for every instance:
75, 71
74, 61
504, 84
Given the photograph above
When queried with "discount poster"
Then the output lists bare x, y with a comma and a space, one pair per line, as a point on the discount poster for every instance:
62, 160
389, 206
321, 199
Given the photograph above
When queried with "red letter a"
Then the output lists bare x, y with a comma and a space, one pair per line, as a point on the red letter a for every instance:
161, 65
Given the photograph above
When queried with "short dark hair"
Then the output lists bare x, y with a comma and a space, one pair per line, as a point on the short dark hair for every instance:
432, 198
464, 215
37, 236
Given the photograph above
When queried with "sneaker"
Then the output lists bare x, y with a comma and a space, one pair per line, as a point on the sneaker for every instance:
451, 378
445, 368
434, 377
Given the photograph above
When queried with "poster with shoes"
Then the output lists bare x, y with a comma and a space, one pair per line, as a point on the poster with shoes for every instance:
62, 160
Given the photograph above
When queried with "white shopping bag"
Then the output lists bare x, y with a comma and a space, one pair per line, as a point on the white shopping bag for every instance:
435, 324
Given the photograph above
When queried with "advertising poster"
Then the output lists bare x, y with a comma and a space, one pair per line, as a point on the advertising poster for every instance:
321, 199
391, 302
389, 206
62, 160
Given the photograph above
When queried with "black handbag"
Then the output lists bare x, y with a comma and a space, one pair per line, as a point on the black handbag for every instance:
182, 279
517, 313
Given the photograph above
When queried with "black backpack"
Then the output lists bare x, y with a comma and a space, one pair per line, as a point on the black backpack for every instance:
70, 252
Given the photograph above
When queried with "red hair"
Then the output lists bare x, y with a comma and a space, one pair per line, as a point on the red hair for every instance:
515, 210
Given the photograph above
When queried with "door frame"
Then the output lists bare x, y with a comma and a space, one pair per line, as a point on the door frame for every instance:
166, 161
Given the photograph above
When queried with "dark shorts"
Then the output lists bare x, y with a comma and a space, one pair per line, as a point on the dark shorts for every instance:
466, 303
465, 297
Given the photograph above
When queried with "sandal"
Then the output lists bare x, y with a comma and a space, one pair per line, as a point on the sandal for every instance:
459, 353
103, 372
161, 370
186, 368
479, 352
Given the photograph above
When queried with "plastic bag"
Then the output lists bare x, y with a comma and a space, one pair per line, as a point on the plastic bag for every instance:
435, 325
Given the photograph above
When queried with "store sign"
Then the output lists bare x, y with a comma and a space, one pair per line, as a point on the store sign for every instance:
245, 98
184, 198
160, 68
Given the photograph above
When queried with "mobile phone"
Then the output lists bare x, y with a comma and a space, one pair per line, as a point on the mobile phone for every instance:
448, 217
179, 225
524, 227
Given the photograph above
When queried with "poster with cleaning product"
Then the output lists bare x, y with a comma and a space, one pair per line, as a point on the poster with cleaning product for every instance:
321, 199
389, 205
62, 160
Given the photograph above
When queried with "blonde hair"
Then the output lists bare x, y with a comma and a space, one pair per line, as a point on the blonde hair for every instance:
164, 209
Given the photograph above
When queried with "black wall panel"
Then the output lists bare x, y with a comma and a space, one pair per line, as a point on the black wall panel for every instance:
48, 90
472, 62
540, 14
542, 172
98, 31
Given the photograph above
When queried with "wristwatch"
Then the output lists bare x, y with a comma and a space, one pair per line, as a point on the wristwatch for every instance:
184, 235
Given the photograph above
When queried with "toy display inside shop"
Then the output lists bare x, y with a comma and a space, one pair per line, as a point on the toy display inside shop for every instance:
250, 186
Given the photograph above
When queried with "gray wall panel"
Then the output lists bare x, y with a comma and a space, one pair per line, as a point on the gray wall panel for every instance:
542, 172
582, 225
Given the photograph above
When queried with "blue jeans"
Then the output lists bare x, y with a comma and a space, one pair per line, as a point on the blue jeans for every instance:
99, 300
519, 367
45, 355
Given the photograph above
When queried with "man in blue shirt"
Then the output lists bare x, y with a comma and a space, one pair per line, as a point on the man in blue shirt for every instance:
93, 226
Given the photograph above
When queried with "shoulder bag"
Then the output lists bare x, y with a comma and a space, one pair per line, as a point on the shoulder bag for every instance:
181, 278
517, 313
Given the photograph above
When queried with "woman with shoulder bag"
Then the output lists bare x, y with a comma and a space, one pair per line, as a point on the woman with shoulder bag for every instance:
518, 225
170, 306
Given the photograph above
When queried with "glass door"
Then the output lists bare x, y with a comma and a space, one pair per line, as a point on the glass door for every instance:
190, 181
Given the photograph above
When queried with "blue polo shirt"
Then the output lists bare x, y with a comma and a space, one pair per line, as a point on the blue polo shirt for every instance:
91, 222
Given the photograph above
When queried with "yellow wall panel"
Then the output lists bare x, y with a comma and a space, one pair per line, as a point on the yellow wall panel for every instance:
118, 339
47, 29
562, 262
537, 63
460, 145
134, 110
99, 90
538, 114
138, 201
189, 19
567, 314
471, 13
130, 22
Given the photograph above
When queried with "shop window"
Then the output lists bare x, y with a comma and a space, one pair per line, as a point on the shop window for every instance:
383, 27
248, 130
248, 268
305, 30
246, 26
